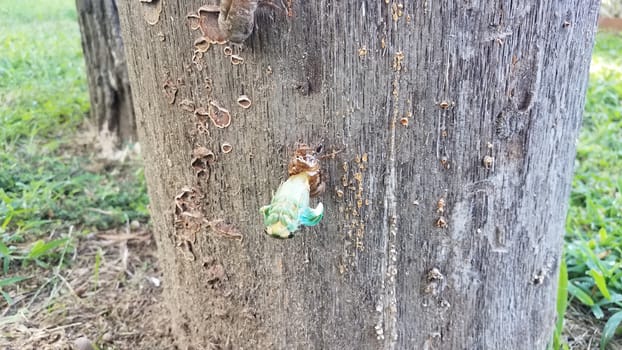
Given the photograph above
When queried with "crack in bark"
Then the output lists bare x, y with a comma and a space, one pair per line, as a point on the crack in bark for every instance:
389, 273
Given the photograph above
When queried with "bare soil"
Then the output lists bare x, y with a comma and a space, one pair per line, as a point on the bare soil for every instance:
108, 297
583, 331
610, 24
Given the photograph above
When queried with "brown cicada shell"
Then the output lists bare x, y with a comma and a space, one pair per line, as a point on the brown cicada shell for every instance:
231, 20
305, 159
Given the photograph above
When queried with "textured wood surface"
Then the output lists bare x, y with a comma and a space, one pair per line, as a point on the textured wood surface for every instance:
389, 267
109, 87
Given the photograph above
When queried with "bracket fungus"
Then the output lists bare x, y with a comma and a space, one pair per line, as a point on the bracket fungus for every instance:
189, 200
187, 105
188, 219
226, 147
202, 44
202, 128
202, 158
219, 116
244, 102
196, 59
201, 114
152, 10
193, 21
236, 60
170, 90
289, 207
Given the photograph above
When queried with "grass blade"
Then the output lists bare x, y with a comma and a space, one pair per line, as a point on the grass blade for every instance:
4, 250
597, 311
11, 280
562, 289
600, 283
580, 294
7, 297
562, 304
40, 248
610, 329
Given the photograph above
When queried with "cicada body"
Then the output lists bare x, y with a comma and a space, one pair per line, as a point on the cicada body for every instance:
289, 207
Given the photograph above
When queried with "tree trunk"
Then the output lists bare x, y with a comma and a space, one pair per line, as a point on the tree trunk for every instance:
455, 124
109, 86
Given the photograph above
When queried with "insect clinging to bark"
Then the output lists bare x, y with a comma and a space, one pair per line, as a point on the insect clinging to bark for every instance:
232, 20
289, 207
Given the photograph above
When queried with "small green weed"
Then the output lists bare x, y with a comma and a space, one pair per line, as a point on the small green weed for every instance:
40, 252
561, 306
8, 282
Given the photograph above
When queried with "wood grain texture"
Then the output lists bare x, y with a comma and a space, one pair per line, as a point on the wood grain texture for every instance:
109, 86
388, 267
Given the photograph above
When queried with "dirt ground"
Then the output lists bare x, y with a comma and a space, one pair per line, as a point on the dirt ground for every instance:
109, 297
583, 331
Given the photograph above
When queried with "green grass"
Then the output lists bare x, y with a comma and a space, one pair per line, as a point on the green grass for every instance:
594, 225
42, 81
47, 196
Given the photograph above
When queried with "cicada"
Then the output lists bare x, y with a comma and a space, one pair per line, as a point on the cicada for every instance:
289, 207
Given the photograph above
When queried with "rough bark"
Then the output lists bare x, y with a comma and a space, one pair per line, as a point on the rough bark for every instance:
109, 87
389, 267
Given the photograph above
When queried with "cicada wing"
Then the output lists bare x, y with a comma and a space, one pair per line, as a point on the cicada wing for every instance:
311, 217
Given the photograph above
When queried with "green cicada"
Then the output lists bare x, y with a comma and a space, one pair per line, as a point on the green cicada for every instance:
289, 207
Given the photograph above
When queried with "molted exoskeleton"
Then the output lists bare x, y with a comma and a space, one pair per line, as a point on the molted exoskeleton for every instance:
289, 207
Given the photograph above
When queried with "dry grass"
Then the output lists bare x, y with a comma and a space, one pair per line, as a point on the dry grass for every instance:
583, 332
109, 297
114, 301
